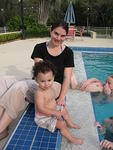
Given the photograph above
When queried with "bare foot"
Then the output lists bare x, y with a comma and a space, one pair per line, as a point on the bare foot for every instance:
75, 126
77, 141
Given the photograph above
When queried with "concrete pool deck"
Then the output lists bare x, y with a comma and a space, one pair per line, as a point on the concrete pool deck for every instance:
15, 60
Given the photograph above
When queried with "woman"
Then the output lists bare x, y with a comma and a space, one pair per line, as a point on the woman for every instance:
60, 55
13, 99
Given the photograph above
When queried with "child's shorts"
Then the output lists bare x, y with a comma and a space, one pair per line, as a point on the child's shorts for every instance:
47, 122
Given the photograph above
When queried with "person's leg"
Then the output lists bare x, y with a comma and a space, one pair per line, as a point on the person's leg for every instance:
5, 121
14, 99
63, 129
1, 111
68, 119
5, 83
13, 102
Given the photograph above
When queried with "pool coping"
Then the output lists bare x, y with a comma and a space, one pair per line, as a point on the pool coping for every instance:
80, 108
92, 49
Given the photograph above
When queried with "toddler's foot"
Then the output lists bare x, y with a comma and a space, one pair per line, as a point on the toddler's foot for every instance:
75, 126
77, 141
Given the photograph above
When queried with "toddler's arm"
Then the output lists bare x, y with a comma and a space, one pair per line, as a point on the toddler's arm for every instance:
106, 144
84, 84
40, 106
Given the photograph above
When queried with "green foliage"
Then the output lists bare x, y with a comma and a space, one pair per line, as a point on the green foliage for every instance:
37, 31
9, 36
14, 24
100, 12
32, 28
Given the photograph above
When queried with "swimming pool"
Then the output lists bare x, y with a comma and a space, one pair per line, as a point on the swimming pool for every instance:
99, 65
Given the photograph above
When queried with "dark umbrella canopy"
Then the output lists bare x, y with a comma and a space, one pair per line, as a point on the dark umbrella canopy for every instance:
70, 15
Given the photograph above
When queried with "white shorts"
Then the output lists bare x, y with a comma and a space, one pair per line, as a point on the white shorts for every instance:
47, 122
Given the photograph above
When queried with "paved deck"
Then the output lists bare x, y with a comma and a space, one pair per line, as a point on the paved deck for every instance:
15, 60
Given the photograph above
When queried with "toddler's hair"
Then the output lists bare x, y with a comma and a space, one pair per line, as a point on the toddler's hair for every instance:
43, 67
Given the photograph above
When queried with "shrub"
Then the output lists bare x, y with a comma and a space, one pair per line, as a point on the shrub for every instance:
32, 28
14, 24
37, 31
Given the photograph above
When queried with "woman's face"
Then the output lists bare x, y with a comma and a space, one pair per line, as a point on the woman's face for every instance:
58, 35
110, 82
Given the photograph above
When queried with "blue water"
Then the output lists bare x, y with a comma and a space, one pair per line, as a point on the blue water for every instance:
100, 65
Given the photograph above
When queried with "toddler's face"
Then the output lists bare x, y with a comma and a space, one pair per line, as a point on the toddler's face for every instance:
45, 80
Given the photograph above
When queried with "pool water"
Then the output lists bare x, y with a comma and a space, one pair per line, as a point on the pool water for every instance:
99, 65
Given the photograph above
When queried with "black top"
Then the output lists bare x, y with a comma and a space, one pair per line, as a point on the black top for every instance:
65, 59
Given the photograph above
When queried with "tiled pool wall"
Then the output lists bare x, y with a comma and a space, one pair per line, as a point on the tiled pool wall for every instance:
94, 49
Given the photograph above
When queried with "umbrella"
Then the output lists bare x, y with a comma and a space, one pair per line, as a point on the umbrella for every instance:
70, 15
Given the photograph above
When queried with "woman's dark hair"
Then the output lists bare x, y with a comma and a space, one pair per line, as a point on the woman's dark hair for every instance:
62, 24
43, 67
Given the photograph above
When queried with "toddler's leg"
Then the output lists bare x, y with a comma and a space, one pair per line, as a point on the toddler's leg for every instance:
68, 119
63, 129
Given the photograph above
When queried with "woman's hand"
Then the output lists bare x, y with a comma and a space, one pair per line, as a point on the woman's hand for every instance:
106, 144
58, 115
61, 102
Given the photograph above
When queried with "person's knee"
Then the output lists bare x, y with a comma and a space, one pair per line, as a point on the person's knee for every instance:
21, 86
18, 94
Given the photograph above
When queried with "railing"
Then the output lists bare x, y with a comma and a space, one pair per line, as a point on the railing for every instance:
3, 29
103, 32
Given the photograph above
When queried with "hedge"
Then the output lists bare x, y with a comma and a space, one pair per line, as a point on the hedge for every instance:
9, 36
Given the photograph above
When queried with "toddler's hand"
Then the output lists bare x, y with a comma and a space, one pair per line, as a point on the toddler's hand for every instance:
97, 124
106, 144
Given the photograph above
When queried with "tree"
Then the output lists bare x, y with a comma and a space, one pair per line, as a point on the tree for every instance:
57, 11
8, 9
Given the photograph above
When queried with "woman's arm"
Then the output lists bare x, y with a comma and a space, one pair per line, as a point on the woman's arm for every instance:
65, 85
36, 59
